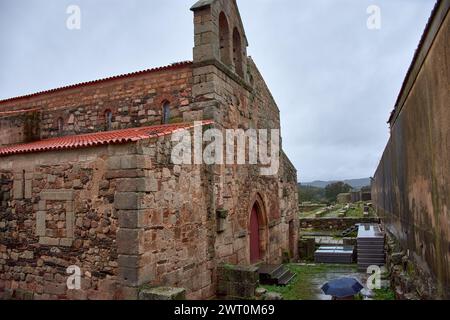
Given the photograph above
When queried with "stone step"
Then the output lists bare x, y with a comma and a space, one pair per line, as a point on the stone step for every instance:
269, 269
371, 263
371, 241
268, 272
370, 260
370, 244
279, 273
286, 279
364, 253
371, 248
275, 275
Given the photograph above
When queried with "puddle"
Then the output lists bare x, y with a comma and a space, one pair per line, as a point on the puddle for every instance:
320, 278
310, 278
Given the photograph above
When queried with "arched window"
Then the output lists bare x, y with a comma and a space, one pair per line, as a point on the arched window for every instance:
237, 52
60, 125
108, 119
166, 112
224, 34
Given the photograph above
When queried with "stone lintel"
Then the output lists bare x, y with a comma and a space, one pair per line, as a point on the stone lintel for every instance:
147, 184
57, 195
47, 241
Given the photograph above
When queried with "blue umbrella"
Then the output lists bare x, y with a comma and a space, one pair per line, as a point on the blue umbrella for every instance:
343, 287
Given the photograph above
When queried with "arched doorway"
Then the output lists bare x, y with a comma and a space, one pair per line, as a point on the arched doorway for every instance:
255, 243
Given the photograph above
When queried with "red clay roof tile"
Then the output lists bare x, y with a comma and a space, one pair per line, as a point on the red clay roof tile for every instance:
98, 138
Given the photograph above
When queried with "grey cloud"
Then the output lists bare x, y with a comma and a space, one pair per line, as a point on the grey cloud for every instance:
334, 80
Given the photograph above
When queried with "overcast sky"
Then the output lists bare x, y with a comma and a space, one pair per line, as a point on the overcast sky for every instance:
335, 81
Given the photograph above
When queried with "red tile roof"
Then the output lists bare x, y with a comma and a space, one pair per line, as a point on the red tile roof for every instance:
98, 138
168, 67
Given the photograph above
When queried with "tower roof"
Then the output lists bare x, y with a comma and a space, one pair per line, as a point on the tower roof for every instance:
201, 4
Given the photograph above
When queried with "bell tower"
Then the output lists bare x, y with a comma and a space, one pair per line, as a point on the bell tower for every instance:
220, 37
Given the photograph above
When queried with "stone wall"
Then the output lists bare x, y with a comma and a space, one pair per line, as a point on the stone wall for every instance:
134, 100
237, 101
411, 185
168, 234
57, 211
18, 128
408, 281
125, 213
288, 195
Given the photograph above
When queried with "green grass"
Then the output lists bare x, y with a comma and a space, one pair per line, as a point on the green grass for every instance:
355, 213
301, 288
384, 294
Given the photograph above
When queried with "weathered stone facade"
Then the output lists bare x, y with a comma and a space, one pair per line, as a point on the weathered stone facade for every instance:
133, 100
63, 216
124, 213
411, 186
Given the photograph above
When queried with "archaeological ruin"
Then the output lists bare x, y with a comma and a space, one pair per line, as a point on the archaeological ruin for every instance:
87, 181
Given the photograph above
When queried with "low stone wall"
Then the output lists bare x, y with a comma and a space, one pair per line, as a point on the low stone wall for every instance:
408, 279
162, 293
309, 207
237, 282
56, 211
333, 223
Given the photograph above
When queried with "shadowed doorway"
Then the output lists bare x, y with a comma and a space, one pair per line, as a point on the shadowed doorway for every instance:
255, 252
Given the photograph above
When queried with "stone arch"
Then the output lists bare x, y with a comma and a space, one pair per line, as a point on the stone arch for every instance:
257, 203
224, 39
237, 52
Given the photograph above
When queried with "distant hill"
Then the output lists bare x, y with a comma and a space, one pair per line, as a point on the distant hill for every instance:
355, 183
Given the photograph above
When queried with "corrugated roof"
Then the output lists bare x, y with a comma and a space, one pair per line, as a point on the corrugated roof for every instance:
98, 138
168, 67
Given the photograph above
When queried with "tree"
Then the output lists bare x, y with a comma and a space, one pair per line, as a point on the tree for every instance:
310, 194
332, 190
